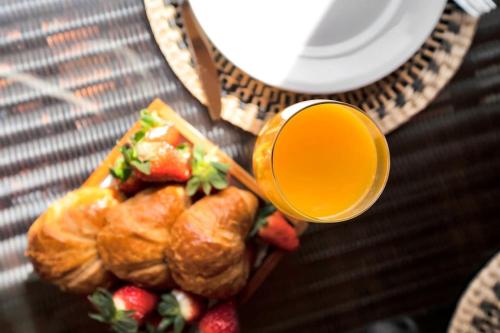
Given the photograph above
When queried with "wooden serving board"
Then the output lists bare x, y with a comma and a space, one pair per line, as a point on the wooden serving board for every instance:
101, 174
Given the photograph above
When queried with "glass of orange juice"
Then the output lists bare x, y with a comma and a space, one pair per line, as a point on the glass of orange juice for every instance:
321, 161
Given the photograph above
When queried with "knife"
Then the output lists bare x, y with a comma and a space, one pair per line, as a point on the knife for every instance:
205, 66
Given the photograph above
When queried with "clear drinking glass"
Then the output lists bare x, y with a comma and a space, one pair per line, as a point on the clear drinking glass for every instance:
321, 161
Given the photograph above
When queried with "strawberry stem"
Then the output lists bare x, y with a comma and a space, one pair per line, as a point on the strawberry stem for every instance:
119, 320
169, 309
123, 167
261, 219
207, 172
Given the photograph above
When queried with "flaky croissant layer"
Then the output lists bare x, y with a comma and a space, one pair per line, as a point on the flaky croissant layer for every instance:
207, 244
153, 239
62, 241
132, 244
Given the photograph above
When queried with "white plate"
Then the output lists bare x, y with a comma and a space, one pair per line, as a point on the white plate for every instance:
319, 46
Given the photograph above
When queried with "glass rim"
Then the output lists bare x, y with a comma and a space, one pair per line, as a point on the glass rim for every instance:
308, 104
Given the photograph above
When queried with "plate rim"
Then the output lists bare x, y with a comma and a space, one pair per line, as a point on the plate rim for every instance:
291, 83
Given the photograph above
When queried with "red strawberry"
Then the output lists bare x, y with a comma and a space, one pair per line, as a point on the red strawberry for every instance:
125, 310
164, 162
135, 299
167, 133
179, 308
274, 229
154, 153
222, 318
131, 185
190, 306
156, 129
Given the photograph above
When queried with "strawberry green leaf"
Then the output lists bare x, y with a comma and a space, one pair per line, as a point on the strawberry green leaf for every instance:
97, 317
266, 210
208, 172
261, 221
103, 302
168, 306
164, 324
125, 323
169, 298
144, 167
138, 136
185, 150
182, 147
223, 167
192, 185
129, 153
198, 153
218, 181
120, 321
170, 311
179, 324
206, 188
121, 170
150, 120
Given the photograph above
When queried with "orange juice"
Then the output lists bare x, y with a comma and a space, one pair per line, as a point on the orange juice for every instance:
324, 162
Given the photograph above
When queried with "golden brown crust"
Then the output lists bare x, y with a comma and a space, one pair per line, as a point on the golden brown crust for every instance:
207, 244
62, 241
223, 285
133, 242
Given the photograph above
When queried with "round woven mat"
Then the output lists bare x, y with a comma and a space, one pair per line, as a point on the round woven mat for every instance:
478, 310
391, 101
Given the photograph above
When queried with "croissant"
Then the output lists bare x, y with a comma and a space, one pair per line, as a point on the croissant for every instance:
62, 241
133, 242
207, 244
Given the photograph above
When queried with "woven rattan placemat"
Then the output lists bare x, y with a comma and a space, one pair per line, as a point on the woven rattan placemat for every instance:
478, 309
391, 101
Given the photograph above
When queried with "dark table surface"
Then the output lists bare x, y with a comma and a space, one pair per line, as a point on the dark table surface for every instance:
73, 75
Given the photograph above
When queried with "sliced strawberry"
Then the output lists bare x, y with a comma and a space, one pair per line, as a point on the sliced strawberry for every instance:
163, 162
275, 230
167, 133
178, 308
125, 310
151, 154
222, 318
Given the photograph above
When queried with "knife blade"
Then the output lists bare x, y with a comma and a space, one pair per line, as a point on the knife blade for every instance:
205, 66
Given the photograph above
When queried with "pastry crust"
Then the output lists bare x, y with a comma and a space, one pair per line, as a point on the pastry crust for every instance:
133, 242
207, 244
62, 241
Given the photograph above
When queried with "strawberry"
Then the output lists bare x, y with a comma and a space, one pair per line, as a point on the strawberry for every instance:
151, 153
178, 308
162, 161
130, 298
208, 172
166, 133
131, 185
222, 318
273, 228
125, 310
